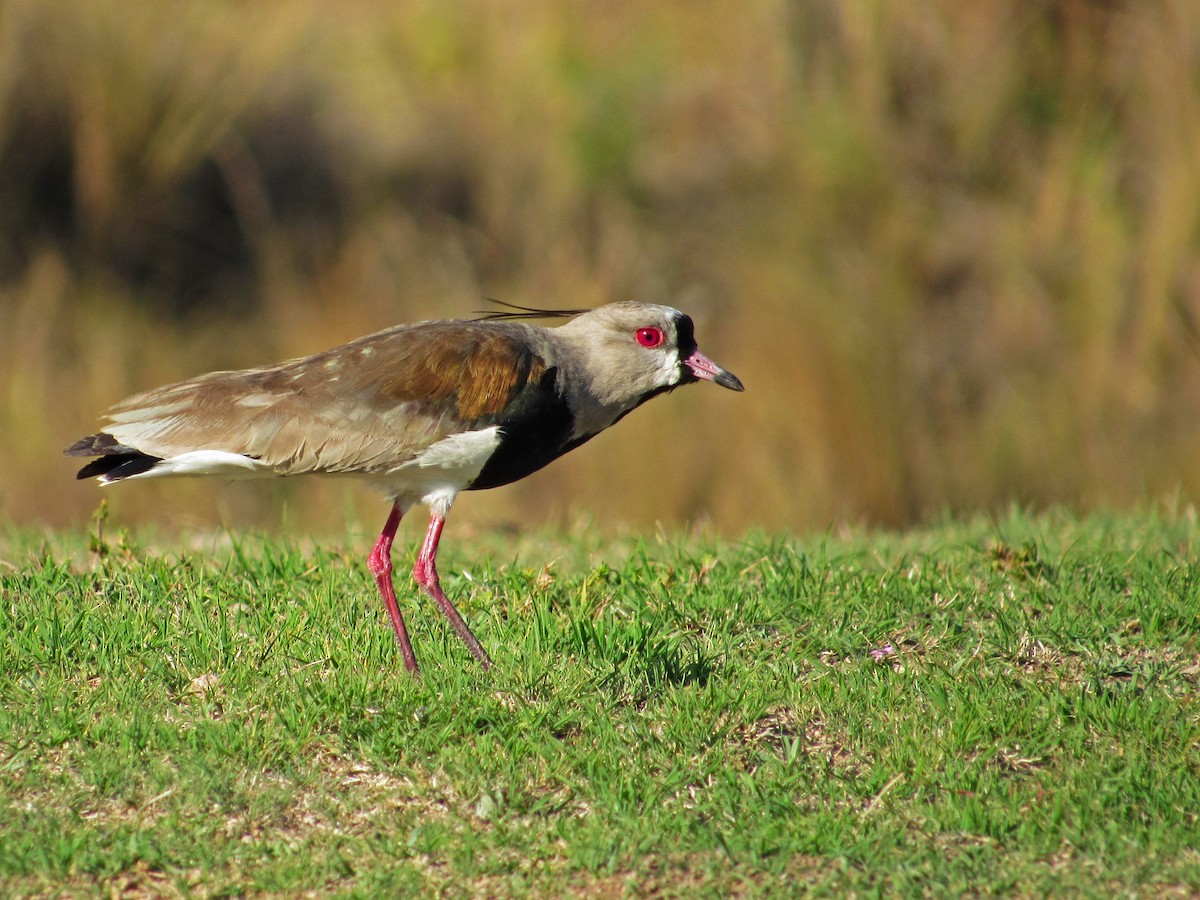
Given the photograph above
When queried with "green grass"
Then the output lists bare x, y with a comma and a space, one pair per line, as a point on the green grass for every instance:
674, 717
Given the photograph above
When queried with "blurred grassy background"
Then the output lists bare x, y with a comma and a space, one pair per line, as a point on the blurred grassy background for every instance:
951, 248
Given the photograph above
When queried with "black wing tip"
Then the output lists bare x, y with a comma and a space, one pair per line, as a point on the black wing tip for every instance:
513, 311
118, 466
116, 460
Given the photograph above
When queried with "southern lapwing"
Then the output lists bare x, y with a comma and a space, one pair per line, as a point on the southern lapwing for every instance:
421, 411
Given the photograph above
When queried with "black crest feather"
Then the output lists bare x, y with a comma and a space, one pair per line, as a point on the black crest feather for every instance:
512, 311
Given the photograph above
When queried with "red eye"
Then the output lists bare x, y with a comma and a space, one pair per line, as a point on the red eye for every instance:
649, 337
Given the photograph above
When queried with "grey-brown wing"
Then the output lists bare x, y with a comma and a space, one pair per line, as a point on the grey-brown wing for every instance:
368, 406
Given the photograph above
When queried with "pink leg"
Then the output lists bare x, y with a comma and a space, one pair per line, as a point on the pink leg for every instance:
425, 571
380, 564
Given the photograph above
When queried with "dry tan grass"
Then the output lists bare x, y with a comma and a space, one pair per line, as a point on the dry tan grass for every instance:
950, 248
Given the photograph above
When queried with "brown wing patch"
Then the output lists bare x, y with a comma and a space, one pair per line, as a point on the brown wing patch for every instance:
477, 370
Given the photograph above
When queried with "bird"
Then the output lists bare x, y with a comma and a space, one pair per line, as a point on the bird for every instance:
420, 411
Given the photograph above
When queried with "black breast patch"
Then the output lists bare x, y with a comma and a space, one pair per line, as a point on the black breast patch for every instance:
534, 430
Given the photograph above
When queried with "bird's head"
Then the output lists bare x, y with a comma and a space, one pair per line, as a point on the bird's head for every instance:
633, 351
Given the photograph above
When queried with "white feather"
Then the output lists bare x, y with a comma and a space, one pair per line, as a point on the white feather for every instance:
205, 462
465, 453
439, 501
440, 471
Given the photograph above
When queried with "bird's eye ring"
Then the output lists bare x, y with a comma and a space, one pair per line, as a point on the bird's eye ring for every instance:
649, 337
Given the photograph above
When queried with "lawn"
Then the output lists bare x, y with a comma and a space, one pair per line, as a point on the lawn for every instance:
998, 705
